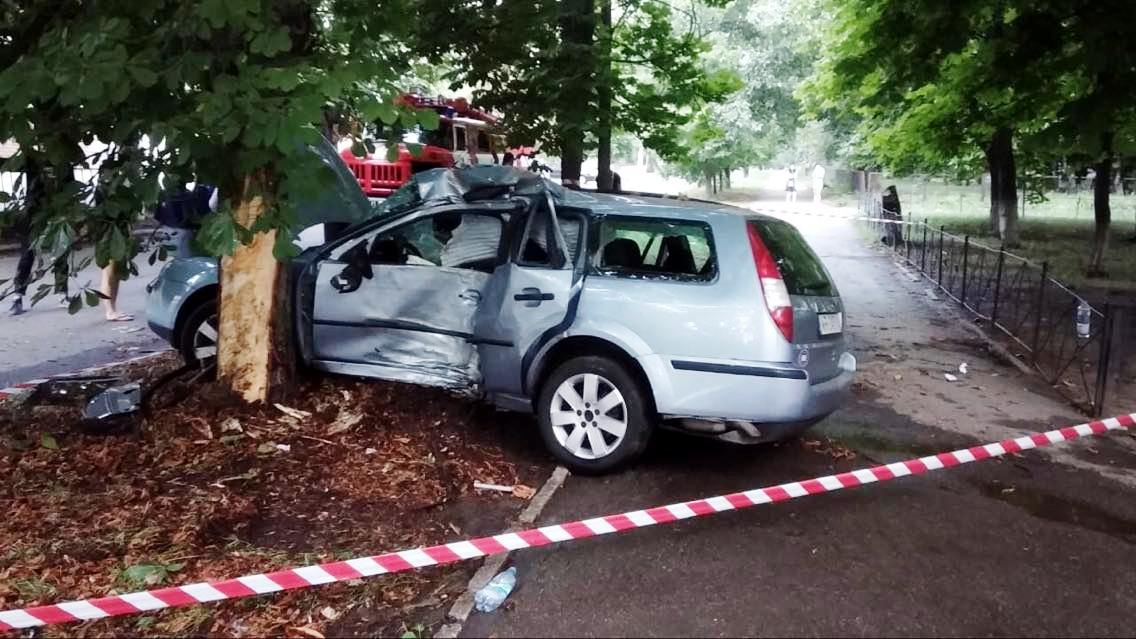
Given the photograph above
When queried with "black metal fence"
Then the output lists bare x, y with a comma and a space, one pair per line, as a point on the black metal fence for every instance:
1051, 328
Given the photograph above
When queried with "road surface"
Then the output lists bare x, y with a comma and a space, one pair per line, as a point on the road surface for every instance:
1037, 544
48, 341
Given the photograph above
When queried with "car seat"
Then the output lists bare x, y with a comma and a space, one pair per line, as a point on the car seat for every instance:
676, 256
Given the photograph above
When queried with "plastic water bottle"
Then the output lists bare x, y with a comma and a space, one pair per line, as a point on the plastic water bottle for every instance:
1084, 320
494, 593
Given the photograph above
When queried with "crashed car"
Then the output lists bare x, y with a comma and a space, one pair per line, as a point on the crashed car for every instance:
605, 315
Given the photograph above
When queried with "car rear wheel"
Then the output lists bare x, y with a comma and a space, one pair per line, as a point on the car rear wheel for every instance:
593, 415
197, 341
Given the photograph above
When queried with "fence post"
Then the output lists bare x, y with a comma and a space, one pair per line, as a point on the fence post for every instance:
1103, 361
923, 250
1040, 307
907, 243
942, 229
965, 261
997, 285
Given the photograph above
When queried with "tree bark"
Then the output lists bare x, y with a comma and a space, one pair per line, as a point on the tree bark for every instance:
254, 346
577, 31
708, 176
571, 157
1102, 208
604, 94
1003, 186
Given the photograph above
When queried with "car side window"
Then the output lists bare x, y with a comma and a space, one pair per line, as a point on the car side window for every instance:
452, 239
653, 248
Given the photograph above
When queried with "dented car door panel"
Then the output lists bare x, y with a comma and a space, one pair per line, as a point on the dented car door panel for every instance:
393, 312
528, 303
407, 323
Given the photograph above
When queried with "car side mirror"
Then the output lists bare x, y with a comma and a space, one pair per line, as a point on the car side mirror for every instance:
357, 268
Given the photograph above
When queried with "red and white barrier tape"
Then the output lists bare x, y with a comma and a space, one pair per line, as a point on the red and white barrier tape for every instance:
31, 384
404, 560
836, 216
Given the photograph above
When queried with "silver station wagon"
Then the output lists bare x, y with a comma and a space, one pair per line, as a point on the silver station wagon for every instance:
605, 315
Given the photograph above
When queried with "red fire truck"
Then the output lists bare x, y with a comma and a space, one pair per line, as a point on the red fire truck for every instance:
462, 138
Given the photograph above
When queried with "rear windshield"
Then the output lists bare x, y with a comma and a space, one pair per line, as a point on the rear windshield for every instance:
800, 267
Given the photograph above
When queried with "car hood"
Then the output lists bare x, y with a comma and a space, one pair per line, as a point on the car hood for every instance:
343, 200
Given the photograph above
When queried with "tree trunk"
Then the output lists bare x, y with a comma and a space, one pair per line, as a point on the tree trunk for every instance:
1102, 209
254, 351
708, 176
1003, 186
604, 95
577, 31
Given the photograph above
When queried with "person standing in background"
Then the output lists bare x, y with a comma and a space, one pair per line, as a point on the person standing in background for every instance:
818, 183
791, 183
108, 289
33, 195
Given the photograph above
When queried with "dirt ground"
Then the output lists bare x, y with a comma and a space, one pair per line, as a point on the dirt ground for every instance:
205, 488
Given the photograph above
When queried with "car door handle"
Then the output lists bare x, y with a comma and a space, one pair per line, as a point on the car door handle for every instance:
471, 295
531, 294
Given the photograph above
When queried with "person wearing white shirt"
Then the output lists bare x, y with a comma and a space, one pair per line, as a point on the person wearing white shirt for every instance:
818, 183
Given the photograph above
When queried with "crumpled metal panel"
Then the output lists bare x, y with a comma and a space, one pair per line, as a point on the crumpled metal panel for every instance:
374, 324
415, 357
435, 297
452, 186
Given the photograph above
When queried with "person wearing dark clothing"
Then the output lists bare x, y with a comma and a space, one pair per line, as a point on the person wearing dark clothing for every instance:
23, 273
33, 196
180, 212
892, 211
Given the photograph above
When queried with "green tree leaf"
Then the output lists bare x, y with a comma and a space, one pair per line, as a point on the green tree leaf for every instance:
143, 76
48, 442
218, 234
429, 119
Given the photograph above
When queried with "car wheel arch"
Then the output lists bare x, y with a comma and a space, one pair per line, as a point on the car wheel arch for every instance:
577, 345
194, 300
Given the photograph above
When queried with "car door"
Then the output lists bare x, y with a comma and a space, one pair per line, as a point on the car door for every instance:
400, 303
531, 297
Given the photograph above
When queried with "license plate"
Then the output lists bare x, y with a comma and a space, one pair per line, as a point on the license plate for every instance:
830, 323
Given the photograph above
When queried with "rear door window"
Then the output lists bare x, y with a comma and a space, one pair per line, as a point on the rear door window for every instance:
634, 247
801, 269
537, 238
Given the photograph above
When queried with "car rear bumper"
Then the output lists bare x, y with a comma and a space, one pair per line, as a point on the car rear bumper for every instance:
778, 400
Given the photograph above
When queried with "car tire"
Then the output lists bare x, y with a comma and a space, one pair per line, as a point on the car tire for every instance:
584, 406
198, 335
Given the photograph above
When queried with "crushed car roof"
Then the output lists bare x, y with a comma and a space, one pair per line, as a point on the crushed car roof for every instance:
492, 182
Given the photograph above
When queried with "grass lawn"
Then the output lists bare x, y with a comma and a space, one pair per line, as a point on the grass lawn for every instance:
1059, 230
1064, 243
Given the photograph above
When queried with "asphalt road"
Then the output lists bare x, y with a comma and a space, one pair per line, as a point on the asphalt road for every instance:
1038, 544
48, 341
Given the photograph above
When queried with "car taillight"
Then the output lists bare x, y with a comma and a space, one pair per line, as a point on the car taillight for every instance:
777, 298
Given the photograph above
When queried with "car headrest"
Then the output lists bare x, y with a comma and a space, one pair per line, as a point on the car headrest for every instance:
677, 257
622, 252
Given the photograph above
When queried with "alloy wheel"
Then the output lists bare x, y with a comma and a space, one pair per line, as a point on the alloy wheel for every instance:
588, 416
